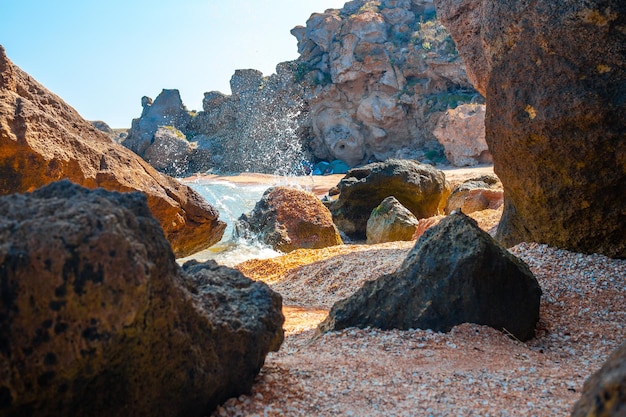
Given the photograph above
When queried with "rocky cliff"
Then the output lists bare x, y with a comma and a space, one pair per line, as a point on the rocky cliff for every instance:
371, 83
42, 140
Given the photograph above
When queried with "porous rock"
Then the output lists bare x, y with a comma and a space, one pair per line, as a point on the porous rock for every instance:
288, 219
456, 273
42, 140
97, 318
604, 392
554, 74
390, 222
419, 187
170, 152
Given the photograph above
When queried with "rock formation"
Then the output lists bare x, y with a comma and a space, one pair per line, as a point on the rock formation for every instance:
461, 131
288, 219
420, 188
554, 75
604, 392
98, 319
476, 194
42, 140
371, 83
390, 222
456, 273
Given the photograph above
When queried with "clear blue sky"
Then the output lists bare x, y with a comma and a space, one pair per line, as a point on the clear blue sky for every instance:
102, 56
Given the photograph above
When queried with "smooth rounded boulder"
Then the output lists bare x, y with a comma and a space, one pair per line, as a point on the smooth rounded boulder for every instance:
97, 318
288, 219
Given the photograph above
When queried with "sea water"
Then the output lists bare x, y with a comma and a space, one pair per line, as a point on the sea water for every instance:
231, 201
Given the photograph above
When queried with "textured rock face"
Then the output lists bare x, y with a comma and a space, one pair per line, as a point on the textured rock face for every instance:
418, 187
381, 72
169, 152
555, 81
288, 219
42, 140
167, 110
461, 131
390, 222
604, 392
476, 194
456, 273
97, 318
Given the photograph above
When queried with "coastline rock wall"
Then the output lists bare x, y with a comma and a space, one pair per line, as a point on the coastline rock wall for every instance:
554, 74
371, 83
42, 140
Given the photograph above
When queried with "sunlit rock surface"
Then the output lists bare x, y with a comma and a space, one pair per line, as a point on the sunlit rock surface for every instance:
42, 140
98, 319
554, 74
371, 83
288, 219
421, 188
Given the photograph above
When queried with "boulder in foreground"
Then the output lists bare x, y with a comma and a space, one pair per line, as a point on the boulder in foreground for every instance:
97, 318
288, 219
456, 273
43, 140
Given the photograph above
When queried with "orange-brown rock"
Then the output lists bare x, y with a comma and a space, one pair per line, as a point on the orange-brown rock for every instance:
288, 219
42, 140
476, 194
554, 74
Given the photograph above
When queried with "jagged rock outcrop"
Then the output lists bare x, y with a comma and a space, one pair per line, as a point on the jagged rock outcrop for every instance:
383, 71
42, 140
476, 194
288, 219
390, 222
604, 392
421, 188
554, 74
461, 132
370, 84
455, 274
98, 319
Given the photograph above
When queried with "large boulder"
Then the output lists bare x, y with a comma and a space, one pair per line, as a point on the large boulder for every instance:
390, 222
418, 187
554, 74
98, 319
170, 152
456, 273
461, 131
288, 219
42, 140
604, 392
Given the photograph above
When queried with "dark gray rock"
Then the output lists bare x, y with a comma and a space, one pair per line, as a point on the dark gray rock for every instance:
97, 319
418, 187
604, 392
456, 273
166, 110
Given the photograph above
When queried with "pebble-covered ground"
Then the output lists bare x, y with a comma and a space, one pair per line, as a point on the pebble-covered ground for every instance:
471, 371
